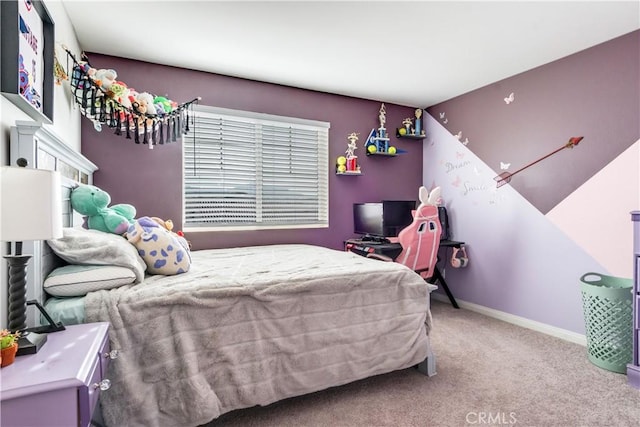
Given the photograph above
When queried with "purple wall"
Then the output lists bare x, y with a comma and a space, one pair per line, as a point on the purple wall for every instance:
593, 93
520, 262
151, 180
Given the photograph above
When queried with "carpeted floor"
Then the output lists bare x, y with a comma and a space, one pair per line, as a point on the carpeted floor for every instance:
489, 373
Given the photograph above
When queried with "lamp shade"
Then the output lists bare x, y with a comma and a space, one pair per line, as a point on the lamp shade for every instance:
30, 204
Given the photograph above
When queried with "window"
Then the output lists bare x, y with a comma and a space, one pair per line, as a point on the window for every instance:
254, 170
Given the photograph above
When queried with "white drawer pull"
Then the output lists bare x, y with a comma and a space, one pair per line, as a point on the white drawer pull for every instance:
113, 354
103, 385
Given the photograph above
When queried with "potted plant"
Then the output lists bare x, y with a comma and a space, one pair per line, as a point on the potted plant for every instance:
8, 347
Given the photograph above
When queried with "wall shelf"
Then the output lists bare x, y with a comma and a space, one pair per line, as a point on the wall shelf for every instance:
408, 136
382, 154
352, 173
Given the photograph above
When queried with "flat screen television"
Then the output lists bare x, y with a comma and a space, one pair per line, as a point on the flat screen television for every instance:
367, 219
384, 219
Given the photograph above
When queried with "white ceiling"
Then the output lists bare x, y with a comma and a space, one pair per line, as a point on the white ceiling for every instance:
415, 53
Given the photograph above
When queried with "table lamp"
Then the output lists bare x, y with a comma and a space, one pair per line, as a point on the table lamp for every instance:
30, 209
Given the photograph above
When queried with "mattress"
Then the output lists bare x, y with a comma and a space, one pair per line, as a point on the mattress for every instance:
251, 326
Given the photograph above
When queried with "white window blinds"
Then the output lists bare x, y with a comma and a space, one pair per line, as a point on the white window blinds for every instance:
253, 170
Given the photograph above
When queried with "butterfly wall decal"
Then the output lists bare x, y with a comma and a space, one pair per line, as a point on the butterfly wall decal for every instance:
445, 121
459, 135
457, 182
442, 115
509, 99
504, 166
466, 141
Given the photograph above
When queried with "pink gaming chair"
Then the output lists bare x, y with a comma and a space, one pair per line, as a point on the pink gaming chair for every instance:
420, 240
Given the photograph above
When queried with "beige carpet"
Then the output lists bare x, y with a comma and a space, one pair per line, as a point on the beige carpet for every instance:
489, 373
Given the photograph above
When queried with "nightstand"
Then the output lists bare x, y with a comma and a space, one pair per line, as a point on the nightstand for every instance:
59, 385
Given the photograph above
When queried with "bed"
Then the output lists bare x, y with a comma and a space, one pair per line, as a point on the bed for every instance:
243, 327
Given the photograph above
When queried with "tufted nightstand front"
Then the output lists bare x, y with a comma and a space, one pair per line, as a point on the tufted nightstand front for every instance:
59, 385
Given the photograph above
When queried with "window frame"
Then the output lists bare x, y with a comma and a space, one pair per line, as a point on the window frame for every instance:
259, 120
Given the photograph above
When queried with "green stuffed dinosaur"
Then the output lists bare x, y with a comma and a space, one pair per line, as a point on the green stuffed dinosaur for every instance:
93, 202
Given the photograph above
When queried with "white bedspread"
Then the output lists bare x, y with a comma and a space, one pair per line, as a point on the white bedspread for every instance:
250, 326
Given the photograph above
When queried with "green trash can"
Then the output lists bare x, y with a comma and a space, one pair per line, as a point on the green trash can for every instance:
608, 315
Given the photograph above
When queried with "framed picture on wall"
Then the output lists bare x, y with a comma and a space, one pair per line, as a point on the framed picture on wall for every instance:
27, 55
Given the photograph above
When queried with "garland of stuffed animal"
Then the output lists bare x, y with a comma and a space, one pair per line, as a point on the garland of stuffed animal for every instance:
105, 100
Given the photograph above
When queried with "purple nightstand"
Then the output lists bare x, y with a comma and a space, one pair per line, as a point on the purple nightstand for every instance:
59, 385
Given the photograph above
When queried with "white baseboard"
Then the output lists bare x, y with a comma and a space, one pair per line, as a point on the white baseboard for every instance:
563, 334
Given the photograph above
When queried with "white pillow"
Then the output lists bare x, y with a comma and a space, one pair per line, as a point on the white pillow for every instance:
92, 247
77, 280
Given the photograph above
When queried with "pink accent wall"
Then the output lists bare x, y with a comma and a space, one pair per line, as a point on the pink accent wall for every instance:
603, 227
151, 180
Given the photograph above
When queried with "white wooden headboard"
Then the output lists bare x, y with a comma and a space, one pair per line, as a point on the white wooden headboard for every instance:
43, 149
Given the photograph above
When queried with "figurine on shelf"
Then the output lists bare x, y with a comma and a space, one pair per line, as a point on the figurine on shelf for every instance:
349, 162
352, 159
378, 141
418, 130
407, 124
382, 117
351, 147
